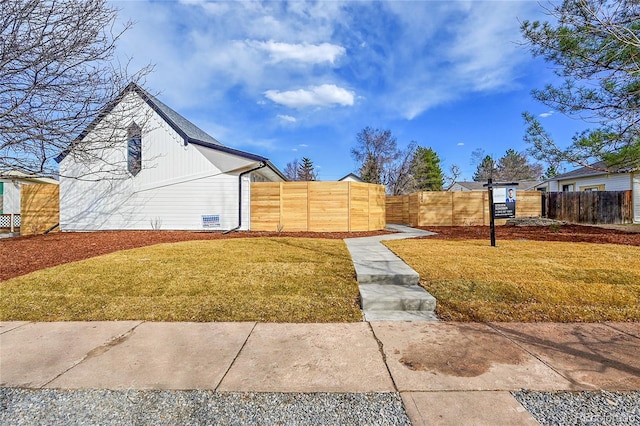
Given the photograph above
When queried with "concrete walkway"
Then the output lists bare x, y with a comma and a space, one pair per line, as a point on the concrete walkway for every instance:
389, 289
446, 373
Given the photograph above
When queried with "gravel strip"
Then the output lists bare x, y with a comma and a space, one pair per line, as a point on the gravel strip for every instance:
582, 408
162, 407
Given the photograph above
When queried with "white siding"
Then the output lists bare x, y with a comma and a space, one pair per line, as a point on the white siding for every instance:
11, 197
636, 198
114, 205
612, 182
175, 188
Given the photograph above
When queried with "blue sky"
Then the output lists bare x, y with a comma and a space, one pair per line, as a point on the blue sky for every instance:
300, 79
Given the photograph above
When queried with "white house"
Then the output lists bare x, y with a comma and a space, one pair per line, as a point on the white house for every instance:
351, 177
11, 182
593, 178
163, 173
9, 196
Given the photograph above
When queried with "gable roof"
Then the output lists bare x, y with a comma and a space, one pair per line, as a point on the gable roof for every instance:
186, 129
523, 185
595, 169
189, 131
352, 176
471, 186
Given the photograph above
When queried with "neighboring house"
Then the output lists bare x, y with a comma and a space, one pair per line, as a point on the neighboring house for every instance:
10, 183
168, 174
594, 179
350, 178
9, 196
523, 185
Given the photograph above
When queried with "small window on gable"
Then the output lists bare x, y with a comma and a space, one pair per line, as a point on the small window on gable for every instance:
134, 149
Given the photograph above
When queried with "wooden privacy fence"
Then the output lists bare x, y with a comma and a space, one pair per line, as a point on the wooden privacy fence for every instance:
454, 208
317, 206
39, 207
613, 207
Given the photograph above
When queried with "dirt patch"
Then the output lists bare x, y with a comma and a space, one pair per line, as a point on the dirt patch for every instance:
22, 255
467, 353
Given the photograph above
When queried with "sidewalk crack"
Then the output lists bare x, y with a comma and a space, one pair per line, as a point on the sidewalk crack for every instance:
100, 350
236, 357
384, 357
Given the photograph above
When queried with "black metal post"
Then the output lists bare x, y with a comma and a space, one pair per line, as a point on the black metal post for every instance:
492, 222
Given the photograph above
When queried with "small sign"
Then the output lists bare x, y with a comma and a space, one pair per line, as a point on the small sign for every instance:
504, 203
211, 221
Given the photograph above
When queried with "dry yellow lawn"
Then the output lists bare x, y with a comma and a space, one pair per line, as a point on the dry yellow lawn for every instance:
527, 280
257, 279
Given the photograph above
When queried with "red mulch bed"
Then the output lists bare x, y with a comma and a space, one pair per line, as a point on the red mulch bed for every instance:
568, 233
19, 256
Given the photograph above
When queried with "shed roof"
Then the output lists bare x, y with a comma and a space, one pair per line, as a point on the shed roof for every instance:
17, 176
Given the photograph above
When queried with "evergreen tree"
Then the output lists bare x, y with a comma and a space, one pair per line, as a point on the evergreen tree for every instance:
306, 170
486, 169
595, 47
370, 171
426, 170
550, 173
514, 166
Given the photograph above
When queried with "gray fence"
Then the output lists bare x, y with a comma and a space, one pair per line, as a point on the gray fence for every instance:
594, 207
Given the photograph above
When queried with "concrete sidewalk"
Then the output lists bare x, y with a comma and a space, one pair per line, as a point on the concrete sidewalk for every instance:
389, 288
446, 373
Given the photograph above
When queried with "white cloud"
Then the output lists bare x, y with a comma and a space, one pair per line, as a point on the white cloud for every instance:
400, 58
448, 50
302, 52
460, 144
303, 145
546, 114
287, 118
325, 95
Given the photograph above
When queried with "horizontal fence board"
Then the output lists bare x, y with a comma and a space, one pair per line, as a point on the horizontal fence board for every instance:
468, 208
358, 207
265, 206
39, 208
436, 208
317, 206
294, 205
441, 208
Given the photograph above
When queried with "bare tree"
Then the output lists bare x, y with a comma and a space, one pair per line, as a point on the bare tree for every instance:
451, 177
375, 151
291, 170
399, 177
58, 69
